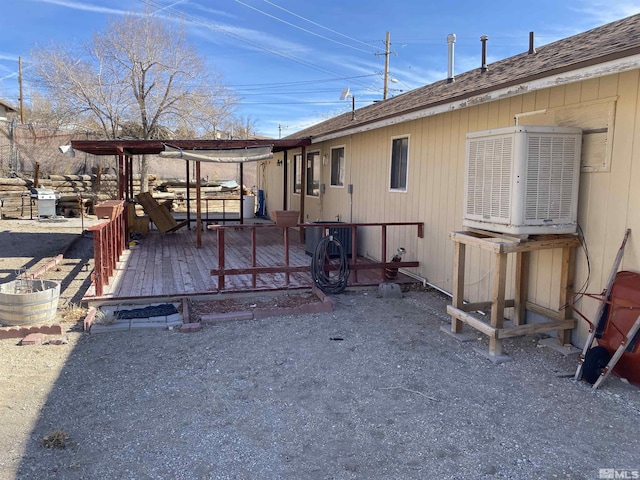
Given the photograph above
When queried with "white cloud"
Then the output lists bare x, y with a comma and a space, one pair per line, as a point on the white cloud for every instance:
87, 7
606, 11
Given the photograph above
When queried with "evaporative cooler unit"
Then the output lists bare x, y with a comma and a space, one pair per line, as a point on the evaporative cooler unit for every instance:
523, 180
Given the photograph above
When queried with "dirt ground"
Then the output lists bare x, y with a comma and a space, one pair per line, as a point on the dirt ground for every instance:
372, 390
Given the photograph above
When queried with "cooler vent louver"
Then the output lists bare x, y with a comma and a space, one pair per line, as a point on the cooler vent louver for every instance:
523, 180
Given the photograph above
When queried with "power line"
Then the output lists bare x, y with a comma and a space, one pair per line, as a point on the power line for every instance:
317, 24
197, 21
299, 28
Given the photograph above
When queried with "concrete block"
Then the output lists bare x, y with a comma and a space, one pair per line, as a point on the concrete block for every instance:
564, 350
147, 325
389, 290
190, 327
493, 358
461, 337
115, 327
175, 317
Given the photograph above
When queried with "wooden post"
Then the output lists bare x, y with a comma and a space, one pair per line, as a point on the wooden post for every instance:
383, 255
354, 250
303, 191
186, 163
199, 207
221, 258
566, 292
254, 261
286, 254
36, 176
497, 303
121, 179
129, 161
458, 284
521, 287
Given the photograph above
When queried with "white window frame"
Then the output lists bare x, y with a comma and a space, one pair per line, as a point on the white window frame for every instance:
342, 168
406, 179
297, 172
317, 158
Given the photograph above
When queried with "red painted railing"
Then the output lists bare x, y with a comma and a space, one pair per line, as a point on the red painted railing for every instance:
109, 241
287, 269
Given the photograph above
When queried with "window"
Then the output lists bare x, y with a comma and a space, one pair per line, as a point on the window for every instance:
596, 120
399, 163
313, 174
297, 174
337, 167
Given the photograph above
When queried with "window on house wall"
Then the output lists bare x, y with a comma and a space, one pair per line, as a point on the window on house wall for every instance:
337, 167
597, 122
399, 163
313, 174
297, 174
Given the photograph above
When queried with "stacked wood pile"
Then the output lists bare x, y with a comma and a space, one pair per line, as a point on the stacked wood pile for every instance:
78, 193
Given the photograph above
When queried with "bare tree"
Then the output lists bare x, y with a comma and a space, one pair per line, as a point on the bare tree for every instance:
139, 71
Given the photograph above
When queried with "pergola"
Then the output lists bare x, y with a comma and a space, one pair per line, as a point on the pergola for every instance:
125, 150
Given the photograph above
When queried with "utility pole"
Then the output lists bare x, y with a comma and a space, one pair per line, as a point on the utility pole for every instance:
387, 52
280, 127
20, 83
387, 44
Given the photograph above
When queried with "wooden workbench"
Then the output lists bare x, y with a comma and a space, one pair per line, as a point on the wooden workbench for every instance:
500, 247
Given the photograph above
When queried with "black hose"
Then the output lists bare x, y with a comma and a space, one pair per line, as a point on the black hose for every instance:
325, 275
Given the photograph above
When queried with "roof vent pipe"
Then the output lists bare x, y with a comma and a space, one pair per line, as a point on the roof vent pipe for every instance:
451, 40
484, 39
532, 49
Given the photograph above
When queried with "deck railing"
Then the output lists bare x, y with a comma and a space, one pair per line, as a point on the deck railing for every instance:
109, 241
354, 265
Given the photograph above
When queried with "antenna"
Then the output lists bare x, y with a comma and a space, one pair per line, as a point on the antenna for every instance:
346, 93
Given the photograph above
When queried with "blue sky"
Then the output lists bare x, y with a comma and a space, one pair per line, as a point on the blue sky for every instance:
289, 60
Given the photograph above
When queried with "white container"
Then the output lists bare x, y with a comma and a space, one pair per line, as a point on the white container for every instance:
523, 179
249, 206
25, 302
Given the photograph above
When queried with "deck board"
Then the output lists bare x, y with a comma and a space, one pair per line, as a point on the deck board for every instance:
169, 265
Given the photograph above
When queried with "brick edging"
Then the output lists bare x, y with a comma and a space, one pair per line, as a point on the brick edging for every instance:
23, 330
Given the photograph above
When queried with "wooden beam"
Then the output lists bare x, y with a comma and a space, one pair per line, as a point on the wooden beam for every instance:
472, 321
531, 328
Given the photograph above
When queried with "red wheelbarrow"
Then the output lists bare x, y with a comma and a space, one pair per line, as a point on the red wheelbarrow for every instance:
616, 331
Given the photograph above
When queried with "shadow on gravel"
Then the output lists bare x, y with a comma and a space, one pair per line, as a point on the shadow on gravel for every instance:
283, 398
33, 247
79, 253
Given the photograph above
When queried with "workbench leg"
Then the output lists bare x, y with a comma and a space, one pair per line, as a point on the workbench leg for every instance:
522, 285
497, 304
458, 284
566, 291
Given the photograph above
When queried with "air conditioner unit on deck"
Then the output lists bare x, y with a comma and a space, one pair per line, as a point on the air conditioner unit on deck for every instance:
523, 180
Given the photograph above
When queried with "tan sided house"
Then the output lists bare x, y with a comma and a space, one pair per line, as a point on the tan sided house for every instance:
403, 159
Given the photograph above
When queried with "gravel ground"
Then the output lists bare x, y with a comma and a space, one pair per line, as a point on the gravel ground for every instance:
372, 390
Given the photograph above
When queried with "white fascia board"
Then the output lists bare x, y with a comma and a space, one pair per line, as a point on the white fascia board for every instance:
594, 71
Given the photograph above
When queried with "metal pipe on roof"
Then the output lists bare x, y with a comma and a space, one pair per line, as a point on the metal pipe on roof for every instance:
451, 40
484, 39
532, 49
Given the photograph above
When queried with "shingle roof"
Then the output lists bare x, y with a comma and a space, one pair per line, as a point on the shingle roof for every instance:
609, 42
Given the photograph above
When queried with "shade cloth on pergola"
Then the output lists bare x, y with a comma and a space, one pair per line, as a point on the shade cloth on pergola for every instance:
224, 151
225, 155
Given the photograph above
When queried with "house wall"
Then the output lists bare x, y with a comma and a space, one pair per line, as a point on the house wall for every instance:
608, 200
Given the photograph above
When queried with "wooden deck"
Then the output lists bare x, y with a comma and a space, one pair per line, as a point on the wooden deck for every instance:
170, 265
